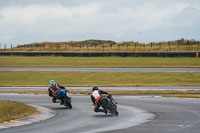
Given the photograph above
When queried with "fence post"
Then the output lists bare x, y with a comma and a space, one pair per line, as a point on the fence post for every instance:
197, 54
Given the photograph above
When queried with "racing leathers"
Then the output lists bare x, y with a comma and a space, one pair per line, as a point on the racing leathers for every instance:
53, 91
96, 99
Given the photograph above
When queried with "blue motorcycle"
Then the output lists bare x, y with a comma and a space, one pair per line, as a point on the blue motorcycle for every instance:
65, 98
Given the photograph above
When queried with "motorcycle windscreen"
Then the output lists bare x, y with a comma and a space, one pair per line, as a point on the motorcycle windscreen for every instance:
61, 93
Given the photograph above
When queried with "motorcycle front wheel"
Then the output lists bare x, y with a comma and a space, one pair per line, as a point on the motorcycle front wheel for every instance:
67, 103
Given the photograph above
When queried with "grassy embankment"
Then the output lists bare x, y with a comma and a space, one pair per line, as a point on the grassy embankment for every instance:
10, 110
109, 45
111, 62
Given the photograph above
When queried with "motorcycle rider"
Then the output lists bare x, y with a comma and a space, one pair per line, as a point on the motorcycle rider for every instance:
54, 89
96, 99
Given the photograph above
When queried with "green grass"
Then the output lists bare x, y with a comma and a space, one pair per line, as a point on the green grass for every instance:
10, 110
38, 78
111, 62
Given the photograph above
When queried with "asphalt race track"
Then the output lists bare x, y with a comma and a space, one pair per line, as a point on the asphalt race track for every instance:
137, 115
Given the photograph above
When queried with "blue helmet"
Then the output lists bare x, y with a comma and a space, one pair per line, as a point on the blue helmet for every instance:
52, 82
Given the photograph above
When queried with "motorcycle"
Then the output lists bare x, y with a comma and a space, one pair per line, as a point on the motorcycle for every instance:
109, 104
65, 98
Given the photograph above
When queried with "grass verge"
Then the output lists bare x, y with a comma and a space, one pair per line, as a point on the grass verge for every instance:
83, 79
10, 110
165, 93
183, 95
110, 62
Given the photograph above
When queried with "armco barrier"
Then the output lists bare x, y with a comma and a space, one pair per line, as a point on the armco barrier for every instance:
101, 54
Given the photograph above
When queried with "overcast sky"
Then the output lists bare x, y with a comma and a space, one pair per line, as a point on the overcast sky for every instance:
25, 21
